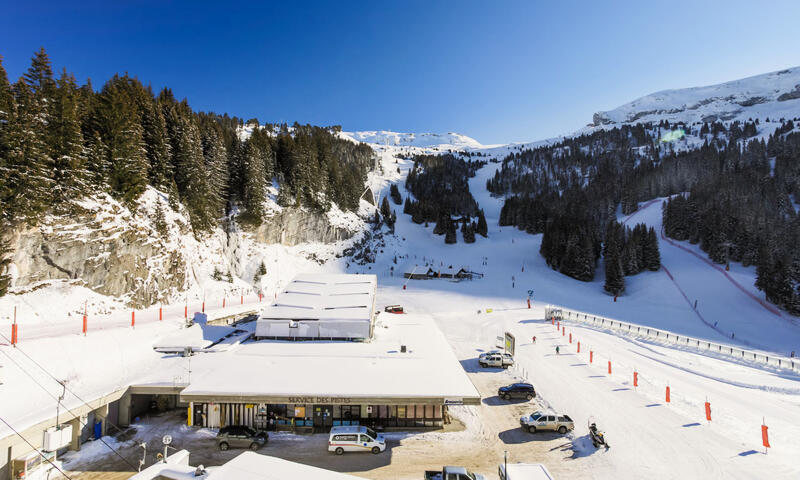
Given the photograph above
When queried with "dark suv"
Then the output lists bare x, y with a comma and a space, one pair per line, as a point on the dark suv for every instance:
517, 390
241, 436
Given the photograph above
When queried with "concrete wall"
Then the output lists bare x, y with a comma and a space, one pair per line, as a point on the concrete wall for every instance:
13, 446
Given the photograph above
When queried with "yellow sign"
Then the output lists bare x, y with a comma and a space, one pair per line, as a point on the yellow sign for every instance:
488, 310
249, 405
299, 411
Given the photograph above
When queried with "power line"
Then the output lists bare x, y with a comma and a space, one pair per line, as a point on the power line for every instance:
63, 384
35, 449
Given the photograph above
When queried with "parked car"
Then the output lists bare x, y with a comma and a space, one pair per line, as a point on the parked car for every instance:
393, 309
355, 438
517, 390
452, 473
538, 421
241, 436
496, 359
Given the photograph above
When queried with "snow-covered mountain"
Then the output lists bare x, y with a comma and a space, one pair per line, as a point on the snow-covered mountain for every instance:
774, 95
454, 141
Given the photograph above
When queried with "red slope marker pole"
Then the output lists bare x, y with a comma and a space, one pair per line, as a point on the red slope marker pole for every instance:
635, 378
570, 337
708, 411
609, 367
591, 356
764, 435
133, 319
160, 314
667, 395
579, 347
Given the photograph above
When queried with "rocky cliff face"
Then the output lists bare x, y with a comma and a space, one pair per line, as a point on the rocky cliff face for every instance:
145, 260
105, 248
292, 226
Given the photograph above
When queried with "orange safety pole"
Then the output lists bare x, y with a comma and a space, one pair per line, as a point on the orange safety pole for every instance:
609, 367
635, 378
241, 300
570, 337
133, 319
223, 302
186, 311
160, 314
552, 320
764, 436
558, 325
204, 307
591, 356
529, 302
84, 324
14, 328
563, 331
579, 347
667, 396
708, 411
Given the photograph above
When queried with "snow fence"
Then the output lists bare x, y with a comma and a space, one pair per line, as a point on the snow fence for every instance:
752, 357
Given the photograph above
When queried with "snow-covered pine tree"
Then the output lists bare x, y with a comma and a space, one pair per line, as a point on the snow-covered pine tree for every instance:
483, 228
386, 211
67, 146
157, 146
26, 169
216, 164
254, 186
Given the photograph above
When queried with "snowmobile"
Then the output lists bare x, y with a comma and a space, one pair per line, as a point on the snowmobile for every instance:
598, 438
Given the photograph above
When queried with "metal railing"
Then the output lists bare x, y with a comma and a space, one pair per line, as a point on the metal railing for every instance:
671, 338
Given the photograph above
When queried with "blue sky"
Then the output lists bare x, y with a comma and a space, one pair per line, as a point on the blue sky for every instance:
497, 71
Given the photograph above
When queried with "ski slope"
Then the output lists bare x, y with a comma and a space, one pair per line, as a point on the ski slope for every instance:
650, 438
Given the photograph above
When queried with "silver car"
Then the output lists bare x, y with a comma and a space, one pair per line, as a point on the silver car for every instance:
240, 436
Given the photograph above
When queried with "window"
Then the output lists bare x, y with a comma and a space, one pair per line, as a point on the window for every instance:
372, 433
365, 439
345, 438
401, 411
551, 418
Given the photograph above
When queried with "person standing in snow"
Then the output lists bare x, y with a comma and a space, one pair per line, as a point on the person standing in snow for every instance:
557, 350
533, 340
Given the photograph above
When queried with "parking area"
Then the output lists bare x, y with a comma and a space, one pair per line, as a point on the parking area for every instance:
477, 439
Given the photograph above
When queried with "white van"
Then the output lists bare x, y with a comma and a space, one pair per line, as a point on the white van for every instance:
523, 471
355, 438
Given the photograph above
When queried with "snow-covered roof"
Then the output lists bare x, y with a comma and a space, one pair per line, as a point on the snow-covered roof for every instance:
279, 371
251, 465
322, 298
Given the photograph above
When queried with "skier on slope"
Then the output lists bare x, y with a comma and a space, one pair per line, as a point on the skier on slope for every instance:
557, 350
533, 340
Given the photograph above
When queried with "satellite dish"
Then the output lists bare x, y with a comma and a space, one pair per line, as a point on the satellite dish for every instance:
166, 439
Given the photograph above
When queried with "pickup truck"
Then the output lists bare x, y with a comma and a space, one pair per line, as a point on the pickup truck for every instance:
452, 473
538, 421
503, 360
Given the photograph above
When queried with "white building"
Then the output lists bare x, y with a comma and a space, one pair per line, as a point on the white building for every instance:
405, 377
246, 466
322, 307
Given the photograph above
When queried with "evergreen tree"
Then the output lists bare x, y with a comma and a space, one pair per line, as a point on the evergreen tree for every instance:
386, 211
450, 231
122, 134
5, 261
254, 188
157, 146
395, 194
27, 184
69, 153
652, 257
483, 228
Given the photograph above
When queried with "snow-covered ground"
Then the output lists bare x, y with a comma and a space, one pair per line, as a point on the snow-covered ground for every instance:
649, 438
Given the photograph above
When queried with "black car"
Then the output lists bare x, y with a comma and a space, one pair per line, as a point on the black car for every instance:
517, 390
